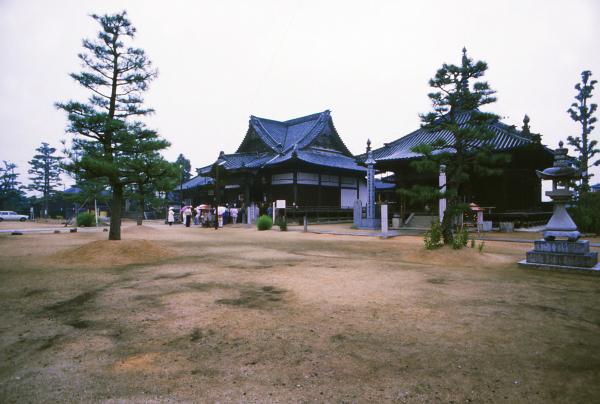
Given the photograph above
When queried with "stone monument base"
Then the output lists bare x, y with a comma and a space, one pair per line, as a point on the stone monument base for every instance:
595, 270
368, 224
562, 254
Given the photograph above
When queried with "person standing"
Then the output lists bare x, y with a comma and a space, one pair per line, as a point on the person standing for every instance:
170, 217
234, 214
225, 215
187, 212
197, 216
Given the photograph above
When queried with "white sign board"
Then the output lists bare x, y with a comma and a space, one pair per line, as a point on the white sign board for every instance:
280, 204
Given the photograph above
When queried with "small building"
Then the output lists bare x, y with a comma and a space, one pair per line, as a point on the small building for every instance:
302, 161
517, 189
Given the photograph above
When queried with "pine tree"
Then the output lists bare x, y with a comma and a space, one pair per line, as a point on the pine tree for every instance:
464, 153
154, 175
45, 173
186, 167
582, 112
11, 190
105, 134
526, 131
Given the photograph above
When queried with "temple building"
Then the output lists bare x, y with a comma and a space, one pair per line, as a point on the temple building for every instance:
517, 189
302, 161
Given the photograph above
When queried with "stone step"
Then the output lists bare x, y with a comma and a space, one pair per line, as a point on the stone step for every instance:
562, 246
422, 221
586, 260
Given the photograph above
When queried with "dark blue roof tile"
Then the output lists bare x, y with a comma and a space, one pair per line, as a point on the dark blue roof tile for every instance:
197, 182
505, 138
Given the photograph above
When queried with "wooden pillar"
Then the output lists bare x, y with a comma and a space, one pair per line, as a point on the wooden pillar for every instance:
295, 201
246, 193
319, 198
320, 201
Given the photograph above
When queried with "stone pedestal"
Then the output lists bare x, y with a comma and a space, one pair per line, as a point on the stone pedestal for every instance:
562, 254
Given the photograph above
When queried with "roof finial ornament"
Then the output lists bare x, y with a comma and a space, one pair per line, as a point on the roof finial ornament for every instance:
368, 145
525, 128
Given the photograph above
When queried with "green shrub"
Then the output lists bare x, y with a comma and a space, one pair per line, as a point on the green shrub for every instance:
461, 237
586, 213
86, 219
481, 245
472, 243
433, 237
264, 223
282, 223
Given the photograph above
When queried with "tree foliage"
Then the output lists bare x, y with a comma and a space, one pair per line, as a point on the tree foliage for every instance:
44, 173
186, 167
466, 152
582, 112
155, 176
526, 131
107, 137
12, 196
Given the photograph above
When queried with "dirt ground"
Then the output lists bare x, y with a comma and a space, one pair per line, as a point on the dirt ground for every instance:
174, 314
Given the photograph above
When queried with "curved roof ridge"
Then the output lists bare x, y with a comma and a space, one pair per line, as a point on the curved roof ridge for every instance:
258, 122
310, 117
312, 132
505, 137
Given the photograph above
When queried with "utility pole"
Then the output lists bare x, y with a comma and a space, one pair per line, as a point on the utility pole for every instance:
217, 196
181, 185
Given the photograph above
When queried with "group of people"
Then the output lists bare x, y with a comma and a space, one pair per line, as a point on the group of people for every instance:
204, 215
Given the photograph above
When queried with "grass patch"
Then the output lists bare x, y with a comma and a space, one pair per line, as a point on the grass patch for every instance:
70, 311
207, 286
255, 297
337, 338
74, 304
33, 292
206, 372
437, 281
172, 276
79, 323
197, 334
49, 343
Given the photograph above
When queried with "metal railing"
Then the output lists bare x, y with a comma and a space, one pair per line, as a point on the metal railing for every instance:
319, 214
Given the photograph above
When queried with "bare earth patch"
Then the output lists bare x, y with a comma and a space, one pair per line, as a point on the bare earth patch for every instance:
111, 253
175, 314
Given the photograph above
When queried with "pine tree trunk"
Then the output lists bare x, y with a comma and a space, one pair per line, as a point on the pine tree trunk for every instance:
447, 234
116, 212
585, 182
140, 218
45, 213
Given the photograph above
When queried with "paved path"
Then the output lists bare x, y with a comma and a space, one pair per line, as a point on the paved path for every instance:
405, 232
61, 229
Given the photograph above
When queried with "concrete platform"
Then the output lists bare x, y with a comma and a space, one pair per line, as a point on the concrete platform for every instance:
595, 270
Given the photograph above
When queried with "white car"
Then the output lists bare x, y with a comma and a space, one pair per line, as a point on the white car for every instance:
10, 215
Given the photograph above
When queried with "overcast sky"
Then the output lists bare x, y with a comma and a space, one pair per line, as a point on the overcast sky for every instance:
368, 62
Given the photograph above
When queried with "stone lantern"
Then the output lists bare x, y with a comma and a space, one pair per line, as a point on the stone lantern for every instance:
561, 247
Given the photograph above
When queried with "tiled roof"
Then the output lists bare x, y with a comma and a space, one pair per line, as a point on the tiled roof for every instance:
310, 155
204, 170
505, 138
197, 181
329, 159
283, 136
292, 139
380, 185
